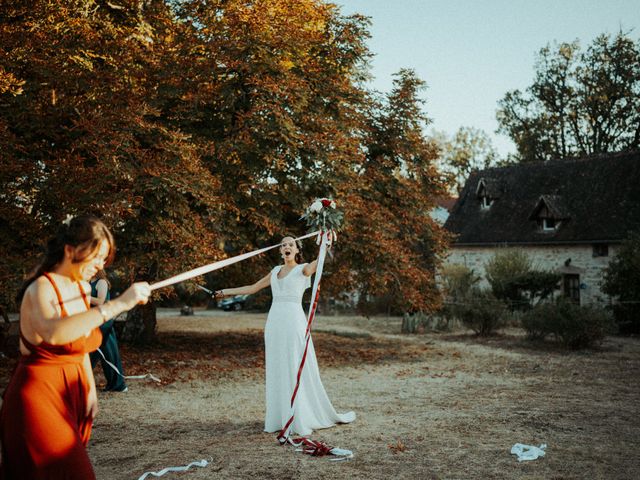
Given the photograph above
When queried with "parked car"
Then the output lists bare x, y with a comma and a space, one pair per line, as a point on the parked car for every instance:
236, 302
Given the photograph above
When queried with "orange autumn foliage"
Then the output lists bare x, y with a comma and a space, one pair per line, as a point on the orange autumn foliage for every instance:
202, 129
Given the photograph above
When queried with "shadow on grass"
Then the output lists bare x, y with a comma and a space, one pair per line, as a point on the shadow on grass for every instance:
196, 355
520, 343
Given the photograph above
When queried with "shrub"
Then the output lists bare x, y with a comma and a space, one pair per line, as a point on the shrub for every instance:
421, 322
627, 317
458, 284
514, 280
622, 280
572, 325
504, 272
458, 281
482, 312
538, 284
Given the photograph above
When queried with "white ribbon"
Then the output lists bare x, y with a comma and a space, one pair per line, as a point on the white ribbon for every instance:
201, 463
129, 377
196, 272
341, 454
205, 289
528, 452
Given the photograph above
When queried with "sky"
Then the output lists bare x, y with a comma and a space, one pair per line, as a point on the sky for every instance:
471, 52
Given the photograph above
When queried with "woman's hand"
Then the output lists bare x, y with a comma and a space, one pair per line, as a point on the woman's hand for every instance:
218, 294
138, 293
92, 404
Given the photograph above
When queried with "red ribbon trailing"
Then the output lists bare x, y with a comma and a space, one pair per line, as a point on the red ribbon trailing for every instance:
284, 433
306, 445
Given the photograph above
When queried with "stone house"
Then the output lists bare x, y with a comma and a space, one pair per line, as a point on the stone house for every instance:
569, 216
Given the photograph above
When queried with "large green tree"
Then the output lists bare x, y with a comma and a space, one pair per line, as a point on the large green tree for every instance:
580, 102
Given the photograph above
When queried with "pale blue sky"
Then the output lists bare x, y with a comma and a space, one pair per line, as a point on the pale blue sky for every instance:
471, 52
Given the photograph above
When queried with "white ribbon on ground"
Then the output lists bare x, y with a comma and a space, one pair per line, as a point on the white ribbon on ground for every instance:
129, 377
196, 272
201, 463
528, 452
341, 454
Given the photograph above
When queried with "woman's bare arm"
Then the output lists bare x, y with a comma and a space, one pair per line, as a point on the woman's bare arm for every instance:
310, 268
102, 288
92, 394
248, 289
42, 321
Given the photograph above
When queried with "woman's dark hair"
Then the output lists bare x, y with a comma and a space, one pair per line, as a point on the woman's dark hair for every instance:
299, 258
84, 233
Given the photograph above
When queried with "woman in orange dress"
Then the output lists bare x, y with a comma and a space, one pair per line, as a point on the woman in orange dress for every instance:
51, 401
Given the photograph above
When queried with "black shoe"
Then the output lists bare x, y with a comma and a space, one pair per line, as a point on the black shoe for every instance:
120, 389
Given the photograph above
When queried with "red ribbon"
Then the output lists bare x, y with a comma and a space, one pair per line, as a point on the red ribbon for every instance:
325, 239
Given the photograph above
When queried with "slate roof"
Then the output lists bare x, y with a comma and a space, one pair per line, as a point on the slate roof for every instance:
554, 206
597, 199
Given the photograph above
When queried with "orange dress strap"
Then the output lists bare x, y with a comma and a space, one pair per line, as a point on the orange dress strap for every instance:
84, 296
63, 310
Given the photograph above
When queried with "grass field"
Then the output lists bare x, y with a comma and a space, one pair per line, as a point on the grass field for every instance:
429, 406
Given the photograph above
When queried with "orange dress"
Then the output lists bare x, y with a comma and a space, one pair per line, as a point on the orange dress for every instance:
43, 423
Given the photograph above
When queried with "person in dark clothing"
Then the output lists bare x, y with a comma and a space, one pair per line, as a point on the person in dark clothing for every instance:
109, 351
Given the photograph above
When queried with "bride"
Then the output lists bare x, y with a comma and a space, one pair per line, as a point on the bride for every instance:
284, 336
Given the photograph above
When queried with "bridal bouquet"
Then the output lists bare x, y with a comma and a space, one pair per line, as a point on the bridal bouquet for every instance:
323, 215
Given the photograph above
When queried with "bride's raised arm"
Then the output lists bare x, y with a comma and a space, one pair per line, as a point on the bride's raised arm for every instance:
264, 282
310, 268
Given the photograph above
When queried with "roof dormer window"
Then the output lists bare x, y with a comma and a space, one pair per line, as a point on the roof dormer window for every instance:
550, 224
549, 212
487, 192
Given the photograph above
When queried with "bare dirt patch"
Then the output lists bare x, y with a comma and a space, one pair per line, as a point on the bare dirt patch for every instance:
429, 406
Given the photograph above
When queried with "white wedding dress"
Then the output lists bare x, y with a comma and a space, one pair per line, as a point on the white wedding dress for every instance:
284, 344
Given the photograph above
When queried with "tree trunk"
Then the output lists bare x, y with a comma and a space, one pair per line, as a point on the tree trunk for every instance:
140, 326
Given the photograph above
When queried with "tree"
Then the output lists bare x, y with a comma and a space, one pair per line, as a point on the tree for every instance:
580, 103
274, 95
201, 129
622, 280
390, 235
468, 150
83, 136
504, 271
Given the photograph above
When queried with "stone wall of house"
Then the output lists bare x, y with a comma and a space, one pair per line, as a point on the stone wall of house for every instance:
546, 257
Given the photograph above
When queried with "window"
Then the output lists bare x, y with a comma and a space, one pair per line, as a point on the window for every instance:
600, 250
485, 202
549, 213
571, 287
549, 224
